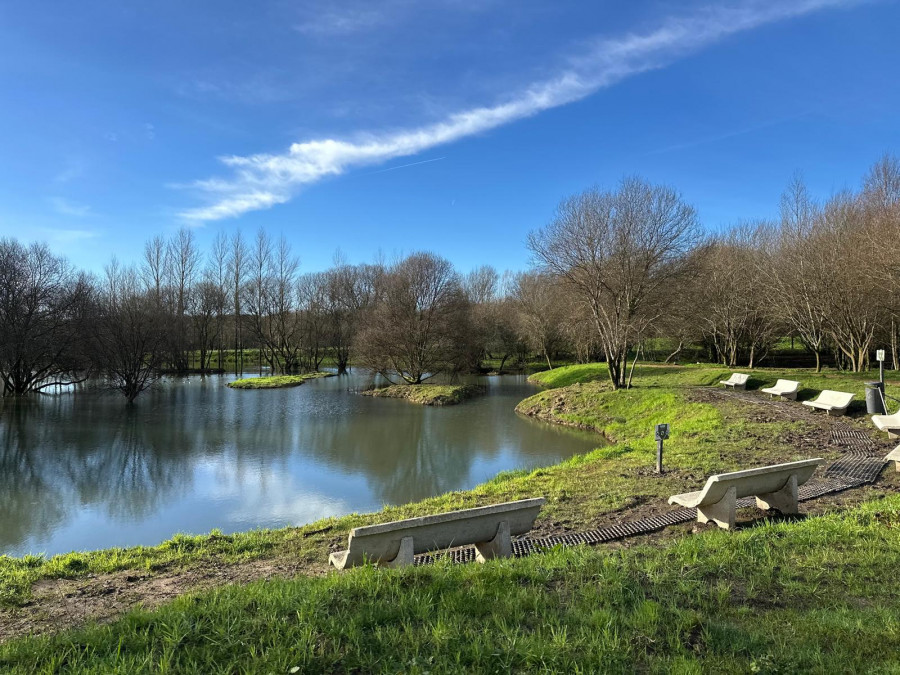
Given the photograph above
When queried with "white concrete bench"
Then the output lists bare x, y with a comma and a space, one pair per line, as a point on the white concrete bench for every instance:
894, 456
786, 389
736, 381
833, 402
395, 544
888, 423
775, 487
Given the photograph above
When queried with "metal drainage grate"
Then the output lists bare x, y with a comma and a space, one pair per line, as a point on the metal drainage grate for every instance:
860, 465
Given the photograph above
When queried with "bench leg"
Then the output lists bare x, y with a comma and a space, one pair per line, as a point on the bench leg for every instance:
785, 500
404, 555
498, 547
722, 513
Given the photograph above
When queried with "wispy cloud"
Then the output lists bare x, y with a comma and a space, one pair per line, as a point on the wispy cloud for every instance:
65, 207
337, 22
59, 237
264, 180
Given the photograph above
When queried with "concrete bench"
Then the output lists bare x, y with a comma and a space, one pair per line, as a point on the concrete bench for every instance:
894, 456
833, 402
736, 381
888, 423
786, 389
775, 487
395, 544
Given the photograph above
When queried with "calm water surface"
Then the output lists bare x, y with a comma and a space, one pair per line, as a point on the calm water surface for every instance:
81, 471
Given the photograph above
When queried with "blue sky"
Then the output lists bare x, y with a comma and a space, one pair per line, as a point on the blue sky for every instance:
403, 125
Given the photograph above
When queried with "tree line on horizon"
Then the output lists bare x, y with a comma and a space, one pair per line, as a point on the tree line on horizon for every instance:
616, 274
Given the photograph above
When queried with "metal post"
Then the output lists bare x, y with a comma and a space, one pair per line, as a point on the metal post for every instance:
662, 433
659, 445
881, 372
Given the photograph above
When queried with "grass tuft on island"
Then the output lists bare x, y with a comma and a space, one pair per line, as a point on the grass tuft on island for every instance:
276, 381
429, 394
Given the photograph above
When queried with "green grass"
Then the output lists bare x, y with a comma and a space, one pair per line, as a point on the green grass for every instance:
581, 491
814, 596
428, 394
793, 597
276, 381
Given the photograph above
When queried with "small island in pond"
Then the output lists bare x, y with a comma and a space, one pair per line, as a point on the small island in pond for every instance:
276, 381
429, 394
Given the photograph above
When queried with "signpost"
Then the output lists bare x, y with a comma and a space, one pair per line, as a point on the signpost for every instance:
879, 356
662, 433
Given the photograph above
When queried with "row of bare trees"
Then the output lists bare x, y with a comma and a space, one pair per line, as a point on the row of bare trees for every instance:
638, 267
615, 272
181, 311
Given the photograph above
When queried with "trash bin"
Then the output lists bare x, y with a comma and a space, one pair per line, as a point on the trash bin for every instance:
875, 398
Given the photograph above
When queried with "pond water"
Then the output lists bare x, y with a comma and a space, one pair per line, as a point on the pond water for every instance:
82, 471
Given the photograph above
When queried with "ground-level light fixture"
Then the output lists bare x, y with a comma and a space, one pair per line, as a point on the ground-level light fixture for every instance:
662, 433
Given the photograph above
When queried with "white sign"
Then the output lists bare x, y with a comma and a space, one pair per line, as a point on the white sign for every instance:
879, 355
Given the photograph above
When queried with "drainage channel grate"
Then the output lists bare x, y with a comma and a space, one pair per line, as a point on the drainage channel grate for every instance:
860, 465
866, 470
527, 545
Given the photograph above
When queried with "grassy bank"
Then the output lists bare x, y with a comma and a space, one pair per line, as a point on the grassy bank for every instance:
276, 381
611, 483
429, 394
779, 598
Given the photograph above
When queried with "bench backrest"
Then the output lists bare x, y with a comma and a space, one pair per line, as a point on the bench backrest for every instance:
738, 378
838, 399
762, 480
380, 543
787, 386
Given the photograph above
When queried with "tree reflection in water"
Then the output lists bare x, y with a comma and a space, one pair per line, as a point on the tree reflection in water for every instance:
79, 471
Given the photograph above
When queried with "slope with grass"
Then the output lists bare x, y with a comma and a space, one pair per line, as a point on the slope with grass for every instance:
786, 597
611, 483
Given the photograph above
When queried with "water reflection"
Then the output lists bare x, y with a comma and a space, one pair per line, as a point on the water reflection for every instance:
81, 471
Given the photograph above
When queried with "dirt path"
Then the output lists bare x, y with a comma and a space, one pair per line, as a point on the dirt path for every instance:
64, 603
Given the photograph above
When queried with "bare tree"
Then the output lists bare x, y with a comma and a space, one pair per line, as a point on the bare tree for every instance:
43, 304
184, 267
618, 253
541, 314
418, 325
237, 273
130, 337
795, 269
851, 313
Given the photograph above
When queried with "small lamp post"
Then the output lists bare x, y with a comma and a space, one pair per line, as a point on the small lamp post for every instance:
662, 433
879, 356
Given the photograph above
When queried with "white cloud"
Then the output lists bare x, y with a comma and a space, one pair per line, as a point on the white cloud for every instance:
61, 237
264, 180
64, 207
331, 22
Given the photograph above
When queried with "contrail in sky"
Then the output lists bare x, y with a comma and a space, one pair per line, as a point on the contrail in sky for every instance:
403, 166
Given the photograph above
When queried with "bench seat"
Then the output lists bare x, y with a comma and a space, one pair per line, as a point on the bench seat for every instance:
894, 456
888, 423
736, 381
833, 402
786, 389
394, 544
775, 487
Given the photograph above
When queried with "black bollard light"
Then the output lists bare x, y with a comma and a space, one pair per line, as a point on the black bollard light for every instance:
662, 433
